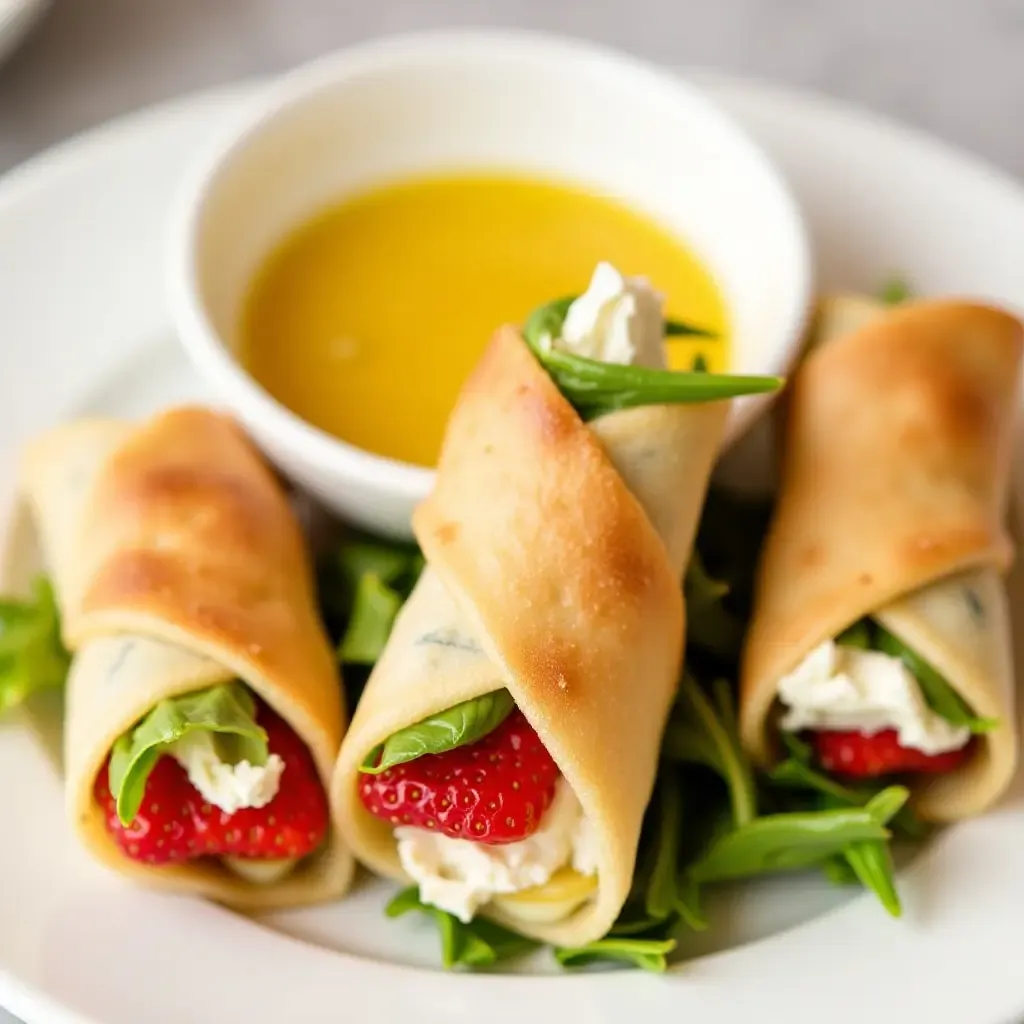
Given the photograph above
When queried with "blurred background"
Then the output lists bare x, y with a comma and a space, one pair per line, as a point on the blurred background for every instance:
952, 67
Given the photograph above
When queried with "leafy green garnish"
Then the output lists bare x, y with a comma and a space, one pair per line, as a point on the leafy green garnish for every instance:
688, 904
702, 733
227, 711
729, 539
373, 578
894, 291
549, 319
479, 944
682, 329
796, 772
374, 610
838, 871
869, 634
700, 364
32, 657
791, 841
595, 388
710, 625
858, 635
941, 697
660, 899
647, 954
871, 860
456, 727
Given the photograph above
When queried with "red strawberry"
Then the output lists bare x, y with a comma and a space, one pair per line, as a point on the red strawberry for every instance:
862, 756
175, 824
493, 791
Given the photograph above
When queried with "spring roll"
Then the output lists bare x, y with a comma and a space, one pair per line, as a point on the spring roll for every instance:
880, 630
555, 550
204, 709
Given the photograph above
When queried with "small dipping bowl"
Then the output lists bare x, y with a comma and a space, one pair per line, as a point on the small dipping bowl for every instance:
462, 102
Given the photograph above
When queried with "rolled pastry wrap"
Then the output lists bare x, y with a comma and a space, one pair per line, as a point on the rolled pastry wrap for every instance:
178, 565
892, 503
547, 575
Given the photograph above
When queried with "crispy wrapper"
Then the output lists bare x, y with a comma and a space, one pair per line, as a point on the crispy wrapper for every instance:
555, 551
178, 564
892, 504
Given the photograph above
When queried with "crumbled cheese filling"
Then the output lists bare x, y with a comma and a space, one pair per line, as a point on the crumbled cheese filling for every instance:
460, 876
616, 320
231, 787
853, 690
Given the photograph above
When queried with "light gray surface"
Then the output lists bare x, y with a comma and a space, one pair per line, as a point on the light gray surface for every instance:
953, 67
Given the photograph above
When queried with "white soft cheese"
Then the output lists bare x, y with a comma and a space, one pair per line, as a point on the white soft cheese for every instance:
616, 320
231, 787
460, 876
853, 690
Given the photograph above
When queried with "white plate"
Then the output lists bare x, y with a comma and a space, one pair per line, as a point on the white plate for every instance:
85, 328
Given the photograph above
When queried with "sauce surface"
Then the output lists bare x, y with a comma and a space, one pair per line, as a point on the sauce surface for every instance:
366, 320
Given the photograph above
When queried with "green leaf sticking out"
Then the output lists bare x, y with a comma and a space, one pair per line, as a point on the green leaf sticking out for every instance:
596, 388
455, 727
647, 954
228, 711
941, 697
478, 944
32, 657
371, 582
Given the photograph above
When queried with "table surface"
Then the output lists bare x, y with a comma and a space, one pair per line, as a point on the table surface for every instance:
955, 69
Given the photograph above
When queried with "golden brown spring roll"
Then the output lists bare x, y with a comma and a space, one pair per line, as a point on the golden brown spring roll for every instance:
892, 503
179, 566
555, 551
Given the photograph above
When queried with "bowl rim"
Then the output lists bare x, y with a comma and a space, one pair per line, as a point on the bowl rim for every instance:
206, 348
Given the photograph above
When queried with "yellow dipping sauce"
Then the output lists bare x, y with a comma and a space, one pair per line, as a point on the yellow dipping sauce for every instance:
367, 319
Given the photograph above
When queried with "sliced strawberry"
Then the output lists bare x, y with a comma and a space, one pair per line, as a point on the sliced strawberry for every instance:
493, 791
861, 756
175, 824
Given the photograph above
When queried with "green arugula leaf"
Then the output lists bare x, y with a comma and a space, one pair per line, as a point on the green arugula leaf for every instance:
547, 321
32, 657
700, 733
374, 611
941, 697
341, 570
688, 904
871, 860
709, 624
894, 291
456, 727
729, 538
786, 842
479, 944
661, 895
633, 921
858, 635
365, 584
595, 388
838, 871
227, 711
682, 329
796, 772
871, 863
647, 954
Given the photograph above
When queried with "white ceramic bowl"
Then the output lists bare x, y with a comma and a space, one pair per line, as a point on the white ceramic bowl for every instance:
459, 101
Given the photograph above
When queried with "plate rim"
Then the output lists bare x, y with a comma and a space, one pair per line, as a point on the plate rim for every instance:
45, 170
